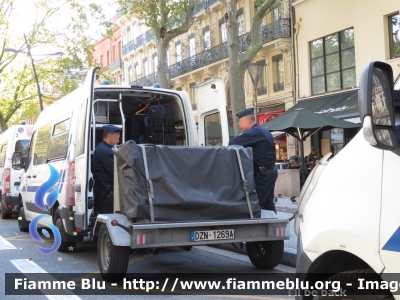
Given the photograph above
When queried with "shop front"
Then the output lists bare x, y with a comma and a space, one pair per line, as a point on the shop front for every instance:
279, 137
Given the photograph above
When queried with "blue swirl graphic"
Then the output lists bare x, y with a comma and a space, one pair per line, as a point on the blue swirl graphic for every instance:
35, 235
45, 187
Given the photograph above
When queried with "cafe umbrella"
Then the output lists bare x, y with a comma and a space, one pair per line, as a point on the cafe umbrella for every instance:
301, 124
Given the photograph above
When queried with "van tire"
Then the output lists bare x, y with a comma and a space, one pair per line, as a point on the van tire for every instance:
23, 224
113, 260
265, 255
352, 276
64, 246
4, 212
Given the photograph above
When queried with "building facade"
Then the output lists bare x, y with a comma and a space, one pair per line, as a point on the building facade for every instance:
202, 53
107, 56
334, 41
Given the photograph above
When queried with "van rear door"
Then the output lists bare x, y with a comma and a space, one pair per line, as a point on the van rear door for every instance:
82, 153
212, 113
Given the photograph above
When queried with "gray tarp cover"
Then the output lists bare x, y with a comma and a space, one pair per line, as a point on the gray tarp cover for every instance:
189, 183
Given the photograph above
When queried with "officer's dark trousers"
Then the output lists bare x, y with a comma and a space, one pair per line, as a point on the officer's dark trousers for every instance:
102, 201
265, 186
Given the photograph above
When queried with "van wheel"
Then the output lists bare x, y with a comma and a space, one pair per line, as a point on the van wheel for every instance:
4, 212
353, 292
265, 255
23, 224
64, 246
113, 260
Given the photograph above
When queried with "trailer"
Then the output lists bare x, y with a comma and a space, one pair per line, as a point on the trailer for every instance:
171, 222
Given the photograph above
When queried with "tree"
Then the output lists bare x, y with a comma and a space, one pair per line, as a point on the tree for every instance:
167, 19
237, 59
52, 24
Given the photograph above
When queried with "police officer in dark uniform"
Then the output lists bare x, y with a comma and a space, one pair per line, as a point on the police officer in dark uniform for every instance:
262, 142
103, 170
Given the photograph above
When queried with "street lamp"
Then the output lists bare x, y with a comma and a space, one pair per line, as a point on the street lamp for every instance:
33, 67
255, 70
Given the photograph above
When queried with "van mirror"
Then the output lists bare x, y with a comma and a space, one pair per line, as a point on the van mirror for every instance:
17, 161
376, 104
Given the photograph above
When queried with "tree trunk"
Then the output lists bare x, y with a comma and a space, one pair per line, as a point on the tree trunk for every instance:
3, 125
236, 70
162, 68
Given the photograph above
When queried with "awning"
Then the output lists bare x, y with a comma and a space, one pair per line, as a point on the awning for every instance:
340, 105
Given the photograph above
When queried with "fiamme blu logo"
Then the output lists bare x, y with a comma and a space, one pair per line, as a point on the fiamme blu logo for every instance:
50, 186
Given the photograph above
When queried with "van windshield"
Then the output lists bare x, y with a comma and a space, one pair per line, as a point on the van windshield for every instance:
22, 146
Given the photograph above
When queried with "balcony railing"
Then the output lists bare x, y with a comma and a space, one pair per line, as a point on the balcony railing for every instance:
269, 32
116, 65
138, 42
262, 91
201, 5
148, 80
279, 86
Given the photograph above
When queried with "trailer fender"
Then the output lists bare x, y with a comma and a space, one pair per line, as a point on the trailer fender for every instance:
119, 236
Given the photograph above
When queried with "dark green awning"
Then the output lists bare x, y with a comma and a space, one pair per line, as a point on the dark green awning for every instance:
342, 105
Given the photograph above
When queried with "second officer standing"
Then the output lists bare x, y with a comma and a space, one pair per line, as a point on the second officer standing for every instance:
262, 142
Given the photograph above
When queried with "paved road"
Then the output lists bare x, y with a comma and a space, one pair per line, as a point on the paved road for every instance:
19, 255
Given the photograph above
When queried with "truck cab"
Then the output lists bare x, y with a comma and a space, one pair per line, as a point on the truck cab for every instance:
347, 220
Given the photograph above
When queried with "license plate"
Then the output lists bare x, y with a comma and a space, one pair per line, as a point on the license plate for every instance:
209, 235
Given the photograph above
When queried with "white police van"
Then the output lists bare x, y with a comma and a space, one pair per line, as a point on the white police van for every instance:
15, 138
57, 168
347, 221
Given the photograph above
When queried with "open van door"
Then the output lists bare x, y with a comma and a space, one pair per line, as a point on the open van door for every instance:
212, 113
81, 191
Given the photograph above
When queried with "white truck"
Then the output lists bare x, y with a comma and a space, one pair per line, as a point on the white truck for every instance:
58, 181
15, 138
347, 220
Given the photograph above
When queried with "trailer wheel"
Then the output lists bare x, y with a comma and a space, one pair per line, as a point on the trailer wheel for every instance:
265, 255
23, 224
4, 212
64, 246
356, 294
113, 260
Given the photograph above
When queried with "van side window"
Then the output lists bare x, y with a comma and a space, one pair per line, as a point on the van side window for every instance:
22, 147
213, 130
42, 145
3, 149
59, 141
61, 127
80, 132
30, 153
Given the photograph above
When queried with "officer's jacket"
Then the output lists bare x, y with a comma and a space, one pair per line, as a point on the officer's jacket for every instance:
262, 142
103, 163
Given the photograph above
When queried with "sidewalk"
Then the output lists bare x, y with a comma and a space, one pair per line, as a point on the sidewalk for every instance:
284, 208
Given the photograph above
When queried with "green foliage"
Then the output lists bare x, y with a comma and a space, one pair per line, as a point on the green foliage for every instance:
68, 26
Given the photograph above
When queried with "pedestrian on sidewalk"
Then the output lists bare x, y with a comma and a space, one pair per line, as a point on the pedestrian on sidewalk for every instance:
313, 158
262, 142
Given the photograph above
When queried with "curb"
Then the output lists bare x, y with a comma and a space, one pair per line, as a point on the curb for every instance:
288, 258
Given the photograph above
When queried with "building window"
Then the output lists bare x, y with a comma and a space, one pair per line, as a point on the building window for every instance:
222, 29
193, 95
240, 23
394, 35
277, 61
262, 82
178, 48
192, 45
333, 65
137, 70
168, 57
155, 62
206, 38
146, 67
